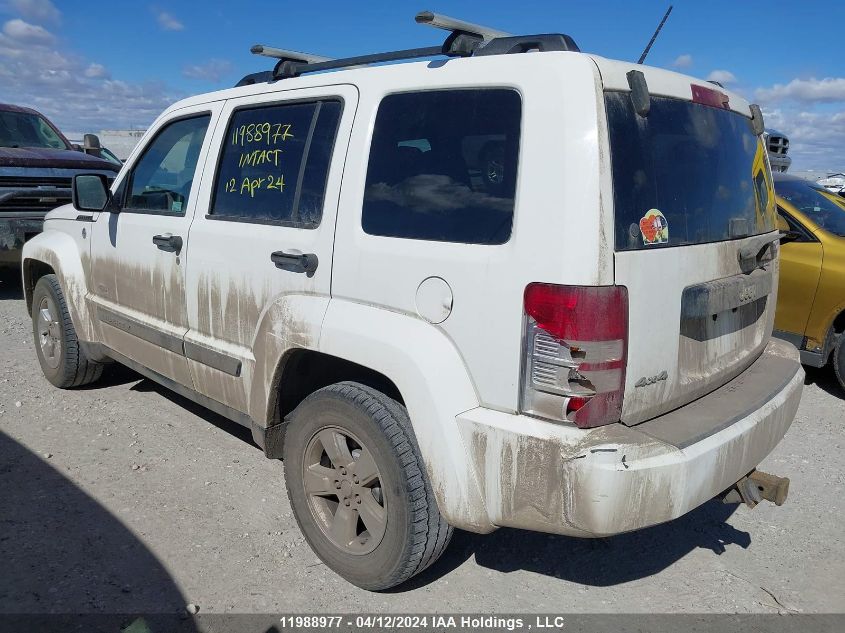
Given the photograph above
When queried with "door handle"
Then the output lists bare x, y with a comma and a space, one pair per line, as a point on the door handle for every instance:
749, 255
295, 262
168, 242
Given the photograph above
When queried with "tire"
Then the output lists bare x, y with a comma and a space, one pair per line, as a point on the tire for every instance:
839, 360
378, 555
60, 355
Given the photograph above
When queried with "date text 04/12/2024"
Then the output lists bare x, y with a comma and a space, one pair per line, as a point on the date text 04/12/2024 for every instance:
438, 622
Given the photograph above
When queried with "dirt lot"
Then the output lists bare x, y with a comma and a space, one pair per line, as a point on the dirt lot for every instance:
124, 497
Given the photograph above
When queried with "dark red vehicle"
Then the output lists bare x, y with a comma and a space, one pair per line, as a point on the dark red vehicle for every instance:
37, 164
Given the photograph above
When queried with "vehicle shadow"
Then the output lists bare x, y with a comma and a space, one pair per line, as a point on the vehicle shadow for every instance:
602, 562
10, 286
825, 379
596, 562
223, 423
67, 557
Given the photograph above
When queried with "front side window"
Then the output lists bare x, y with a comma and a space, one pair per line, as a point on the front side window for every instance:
275, 163
161, 180
443, 166
793, 225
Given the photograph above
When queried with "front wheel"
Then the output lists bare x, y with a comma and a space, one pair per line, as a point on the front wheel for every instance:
62, 358
358, 488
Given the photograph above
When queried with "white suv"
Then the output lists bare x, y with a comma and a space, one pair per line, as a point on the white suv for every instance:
498, 289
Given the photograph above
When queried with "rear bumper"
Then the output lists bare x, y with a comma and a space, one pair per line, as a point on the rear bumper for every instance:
552, 478
15, 229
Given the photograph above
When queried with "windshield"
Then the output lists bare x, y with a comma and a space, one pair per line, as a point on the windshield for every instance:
810, 201
25, 129
686, 173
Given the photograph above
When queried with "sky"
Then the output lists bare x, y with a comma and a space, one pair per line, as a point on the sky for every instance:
91, 65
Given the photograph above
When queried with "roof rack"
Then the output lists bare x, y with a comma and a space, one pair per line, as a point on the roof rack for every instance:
282, 53
465, 39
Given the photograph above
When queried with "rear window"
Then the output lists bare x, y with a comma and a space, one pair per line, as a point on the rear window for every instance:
443, 166
686, 174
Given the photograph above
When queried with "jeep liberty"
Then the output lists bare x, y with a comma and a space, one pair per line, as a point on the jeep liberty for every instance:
501, 288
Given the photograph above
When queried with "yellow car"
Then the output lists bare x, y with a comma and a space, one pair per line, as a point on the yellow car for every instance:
811, 296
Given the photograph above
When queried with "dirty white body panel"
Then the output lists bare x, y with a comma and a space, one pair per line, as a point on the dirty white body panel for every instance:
541, 476
459, 378
133, 281
240, 305
559, 110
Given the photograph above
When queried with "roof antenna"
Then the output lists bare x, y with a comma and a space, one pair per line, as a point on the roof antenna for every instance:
654, 37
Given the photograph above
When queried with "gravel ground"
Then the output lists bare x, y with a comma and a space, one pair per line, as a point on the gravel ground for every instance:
124, 497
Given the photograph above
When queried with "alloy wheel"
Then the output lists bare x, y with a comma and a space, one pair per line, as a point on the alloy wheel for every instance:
344, 490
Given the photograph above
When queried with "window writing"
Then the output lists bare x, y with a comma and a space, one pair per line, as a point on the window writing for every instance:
274, 163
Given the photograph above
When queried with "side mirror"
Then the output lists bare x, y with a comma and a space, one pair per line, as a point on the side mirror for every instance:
91, 143
90, 192
790, 236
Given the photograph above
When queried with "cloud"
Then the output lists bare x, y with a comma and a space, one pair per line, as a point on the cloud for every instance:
39, 11
801, 109
827, 90
97, 71
816, 139
683, 61
722, 76
214, 70
26, 33
76, 93
167, 22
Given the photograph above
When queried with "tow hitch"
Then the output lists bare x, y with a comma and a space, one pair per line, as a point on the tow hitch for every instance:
755, 487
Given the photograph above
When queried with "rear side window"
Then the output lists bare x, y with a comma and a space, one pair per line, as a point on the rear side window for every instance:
275, 162
443, 166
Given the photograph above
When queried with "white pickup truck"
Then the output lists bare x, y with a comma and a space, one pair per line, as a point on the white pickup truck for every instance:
498, 289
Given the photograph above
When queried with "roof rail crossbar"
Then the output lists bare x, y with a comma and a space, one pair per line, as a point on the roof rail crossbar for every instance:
440, 21
294, 56
285, 68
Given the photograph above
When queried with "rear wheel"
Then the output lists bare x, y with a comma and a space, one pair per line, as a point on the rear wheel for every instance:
839, 360
62, 358
358, 489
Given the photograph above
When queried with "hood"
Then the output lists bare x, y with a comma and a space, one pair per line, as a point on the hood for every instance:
48, 157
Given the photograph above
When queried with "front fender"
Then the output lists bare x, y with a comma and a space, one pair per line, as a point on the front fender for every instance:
59, 251
431, 376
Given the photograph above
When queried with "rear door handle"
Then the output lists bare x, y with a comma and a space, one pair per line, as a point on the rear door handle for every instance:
168, 242
295, 262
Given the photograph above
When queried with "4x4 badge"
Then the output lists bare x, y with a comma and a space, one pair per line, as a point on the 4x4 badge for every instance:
654, 228
644, 382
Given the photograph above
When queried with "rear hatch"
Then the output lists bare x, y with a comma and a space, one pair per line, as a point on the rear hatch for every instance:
694, 230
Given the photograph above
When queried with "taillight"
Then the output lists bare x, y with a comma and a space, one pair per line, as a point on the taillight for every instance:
574, 352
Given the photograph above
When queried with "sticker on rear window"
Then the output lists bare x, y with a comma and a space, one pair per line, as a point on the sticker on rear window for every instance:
654, 228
